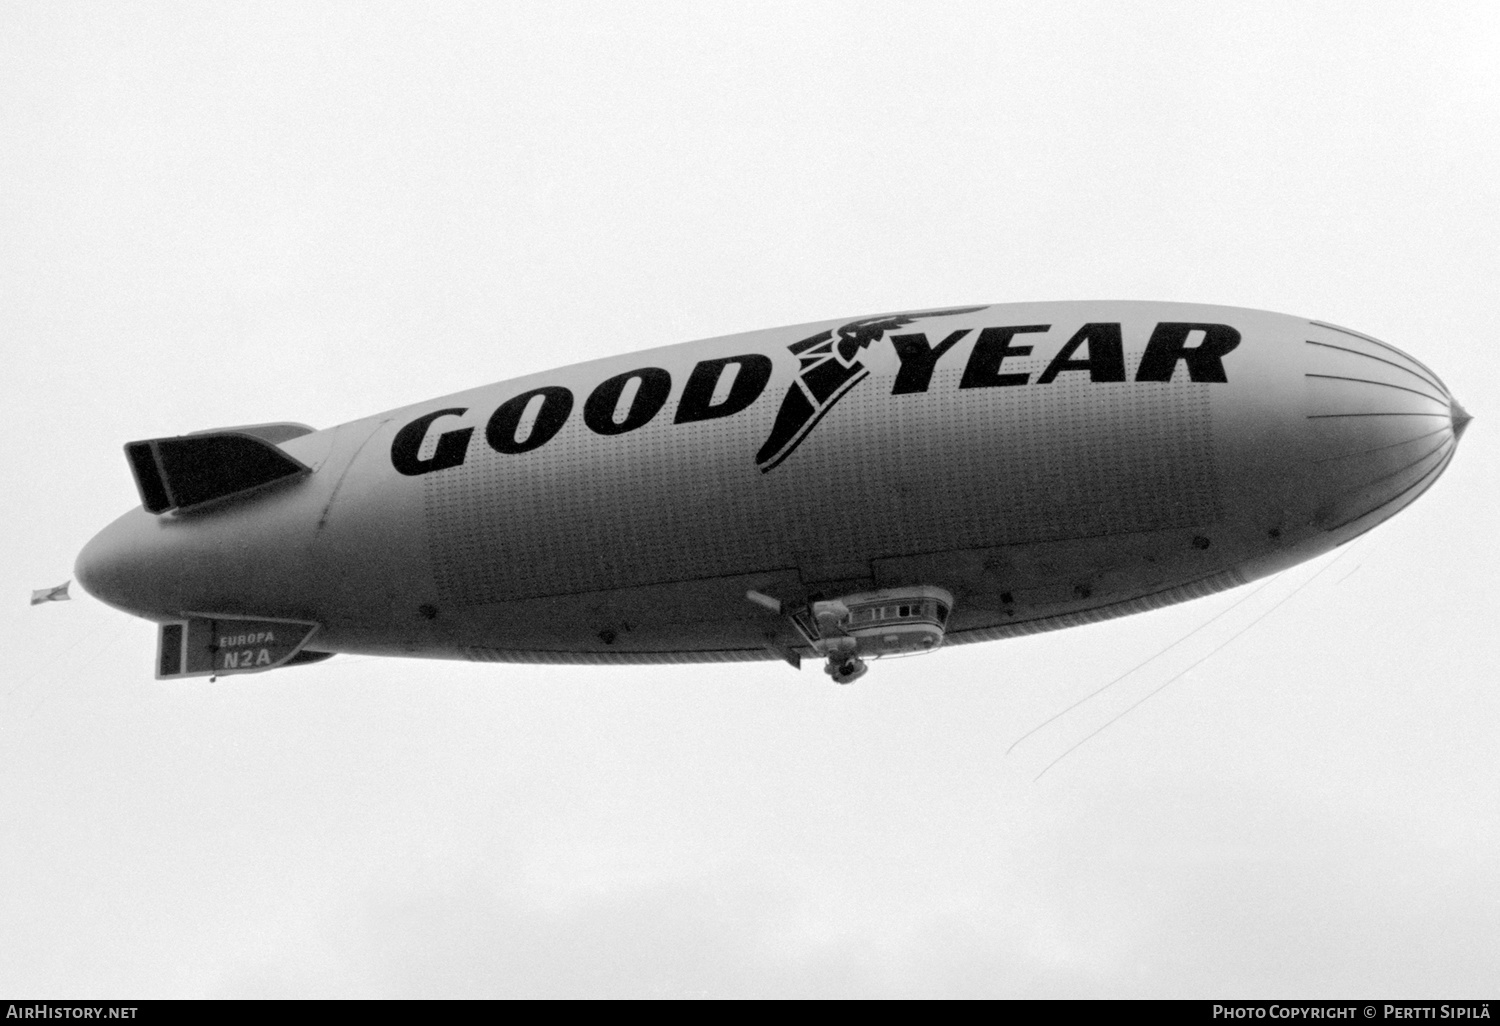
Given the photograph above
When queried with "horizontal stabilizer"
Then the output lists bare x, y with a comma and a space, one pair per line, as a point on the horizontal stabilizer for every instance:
191, 471
278, 432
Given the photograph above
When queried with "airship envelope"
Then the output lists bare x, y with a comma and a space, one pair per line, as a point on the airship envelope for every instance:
843, 490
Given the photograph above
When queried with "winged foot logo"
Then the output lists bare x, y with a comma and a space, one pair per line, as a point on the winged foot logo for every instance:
830, 367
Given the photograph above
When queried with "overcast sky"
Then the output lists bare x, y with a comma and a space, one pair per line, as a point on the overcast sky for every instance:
216, 214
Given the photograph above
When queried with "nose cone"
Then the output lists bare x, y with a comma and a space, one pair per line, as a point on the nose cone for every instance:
1383, 428
1460, 418
130, 566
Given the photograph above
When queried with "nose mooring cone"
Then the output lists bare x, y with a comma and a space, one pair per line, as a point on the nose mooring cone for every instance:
1460, 418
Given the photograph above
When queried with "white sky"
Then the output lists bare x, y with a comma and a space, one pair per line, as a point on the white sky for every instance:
217, 214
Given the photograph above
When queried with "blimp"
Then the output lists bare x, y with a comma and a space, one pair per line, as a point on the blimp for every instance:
842, 491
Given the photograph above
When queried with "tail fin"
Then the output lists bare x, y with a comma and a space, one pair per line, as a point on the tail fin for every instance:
189, 472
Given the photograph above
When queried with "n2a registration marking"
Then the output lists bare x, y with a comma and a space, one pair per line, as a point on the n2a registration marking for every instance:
245, 658
237, 651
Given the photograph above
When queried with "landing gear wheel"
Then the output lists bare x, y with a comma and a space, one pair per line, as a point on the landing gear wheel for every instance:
845, 669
